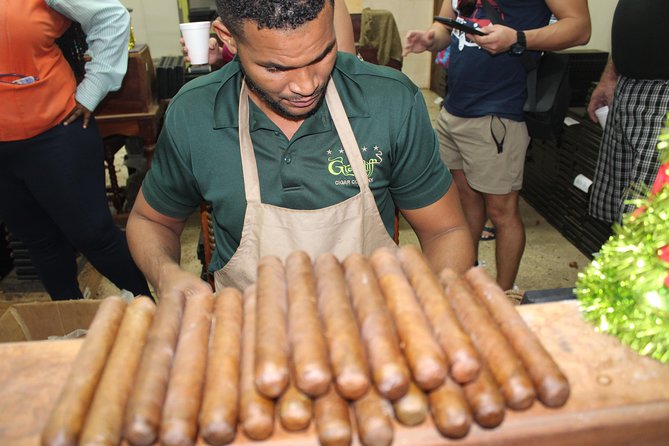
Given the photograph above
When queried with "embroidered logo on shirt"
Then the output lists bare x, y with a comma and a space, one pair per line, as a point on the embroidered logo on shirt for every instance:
338, 166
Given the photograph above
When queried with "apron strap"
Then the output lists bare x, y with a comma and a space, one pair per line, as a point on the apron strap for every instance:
346, 135
249, 167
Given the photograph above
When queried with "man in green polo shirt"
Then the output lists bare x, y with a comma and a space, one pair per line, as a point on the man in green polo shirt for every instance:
296, 147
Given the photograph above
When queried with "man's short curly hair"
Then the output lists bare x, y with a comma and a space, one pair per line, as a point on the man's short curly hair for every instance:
269, 14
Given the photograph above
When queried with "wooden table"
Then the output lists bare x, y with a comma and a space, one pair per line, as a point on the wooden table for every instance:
617, 398
115, 130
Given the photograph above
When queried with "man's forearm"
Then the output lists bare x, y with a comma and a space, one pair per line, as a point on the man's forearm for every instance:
154, 247
452, 249
610, 74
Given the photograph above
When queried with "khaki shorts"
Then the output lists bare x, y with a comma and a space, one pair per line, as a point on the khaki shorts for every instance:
469, 144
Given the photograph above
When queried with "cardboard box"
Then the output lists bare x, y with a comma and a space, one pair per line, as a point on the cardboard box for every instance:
34, 321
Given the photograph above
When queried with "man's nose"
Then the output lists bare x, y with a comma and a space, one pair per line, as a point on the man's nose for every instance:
304, 82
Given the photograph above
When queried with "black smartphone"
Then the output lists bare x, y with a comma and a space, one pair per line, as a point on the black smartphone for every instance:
469, 29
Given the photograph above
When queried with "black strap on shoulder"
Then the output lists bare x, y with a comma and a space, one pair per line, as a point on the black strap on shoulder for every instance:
492, 13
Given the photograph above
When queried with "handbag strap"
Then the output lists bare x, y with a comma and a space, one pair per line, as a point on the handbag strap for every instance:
491, 13
531, 102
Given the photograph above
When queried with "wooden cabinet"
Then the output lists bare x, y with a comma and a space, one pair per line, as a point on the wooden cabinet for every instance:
138, 92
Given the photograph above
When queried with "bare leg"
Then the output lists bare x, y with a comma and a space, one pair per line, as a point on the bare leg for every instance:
510, 243
473, 206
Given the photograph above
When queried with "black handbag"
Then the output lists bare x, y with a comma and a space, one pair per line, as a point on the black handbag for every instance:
548, 89
548, 96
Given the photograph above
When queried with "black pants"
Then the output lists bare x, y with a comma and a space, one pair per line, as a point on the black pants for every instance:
53, 199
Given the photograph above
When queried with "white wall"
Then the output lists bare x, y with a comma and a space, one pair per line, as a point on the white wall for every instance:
156, 23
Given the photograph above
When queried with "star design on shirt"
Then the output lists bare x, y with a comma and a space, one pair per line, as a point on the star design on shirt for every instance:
364, 148
329, 152
341, 150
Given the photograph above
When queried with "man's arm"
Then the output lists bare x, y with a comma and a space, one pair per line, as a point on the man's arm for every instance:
154, 241
435, 38
443, 233
572, 28
343, 28
603, 94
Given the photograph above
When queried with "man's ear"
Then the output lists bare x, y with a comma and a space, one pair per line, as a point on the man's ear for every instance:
225, 36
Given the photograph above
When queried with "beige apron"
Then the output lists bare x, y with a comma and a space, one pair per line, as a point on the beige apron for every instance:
353, 225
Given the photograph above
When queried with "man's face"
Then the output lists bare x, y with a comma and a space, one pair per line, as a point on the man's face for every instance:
288, 70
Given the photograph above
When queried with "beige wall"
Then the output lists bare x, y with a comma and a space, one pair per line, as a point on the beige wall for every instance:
156, 23
354, 5
161, 17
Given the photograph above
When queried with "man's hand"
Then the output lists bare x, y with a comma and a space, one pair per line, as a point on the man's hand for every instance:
215, 52
418, 41
77, 112
173, 279
602, 95
498, 38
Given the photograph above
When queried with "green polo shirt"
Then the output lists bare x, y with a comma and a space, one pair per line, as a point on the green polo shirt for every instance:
197, 155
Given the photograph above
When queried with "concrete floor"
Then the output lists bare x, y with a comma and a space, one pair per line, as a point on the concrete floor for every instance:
550, 261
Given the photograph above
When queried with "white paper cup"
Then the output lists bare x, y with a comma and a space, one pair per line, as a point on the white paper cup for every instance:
196, 37
601, 114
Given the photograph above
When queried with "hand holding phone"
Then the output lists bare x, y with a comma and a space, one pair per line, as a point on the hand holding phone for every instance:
469, 29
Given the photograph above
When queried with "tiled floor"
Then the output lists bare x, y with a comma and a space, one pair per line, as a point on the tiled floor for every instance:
550, 261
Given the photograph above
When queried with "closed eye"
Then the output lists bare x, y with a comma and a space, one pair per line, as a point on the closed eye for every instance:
275, 68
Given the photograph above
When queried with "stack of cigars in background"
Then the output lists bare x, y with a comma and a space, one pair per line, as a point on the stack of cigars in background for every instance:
350, 348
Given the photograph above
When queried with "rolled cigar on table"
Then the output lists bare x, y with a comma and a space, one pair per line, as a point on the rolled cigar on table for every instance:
218, 416
390, 373
412, 408
271, 339
308, 349
505, 365
67, 417
450, 413
464, 361
184, 390
421, 351
145, 404
256, 411
485, 399
373, 420
550, 383
333, 420
104, 422
294, 409
347, 355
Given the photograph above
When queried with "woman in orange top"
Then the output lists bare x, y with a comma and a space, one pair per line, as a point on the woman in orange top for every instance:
51, 155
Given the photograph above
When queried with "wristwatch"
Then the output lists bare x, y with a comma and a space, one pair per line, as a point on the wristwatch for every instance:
518, 48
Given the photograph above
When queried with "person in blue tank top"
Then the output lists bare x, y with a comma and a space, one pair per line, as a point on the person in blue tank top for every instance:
483, 138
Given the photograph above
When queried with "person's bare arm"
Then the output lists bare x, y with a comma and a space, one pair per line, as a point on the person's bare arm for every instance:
435, 38
443, 233
155, 246
572, 28
603, 94
343, 28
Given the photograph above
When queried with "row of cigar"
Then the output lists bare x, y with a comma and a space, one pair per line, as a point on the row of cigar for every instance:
348, 345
